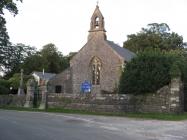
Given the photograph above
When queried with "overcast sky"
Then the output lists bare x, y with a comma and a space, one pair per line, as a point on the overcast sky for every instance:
66, 22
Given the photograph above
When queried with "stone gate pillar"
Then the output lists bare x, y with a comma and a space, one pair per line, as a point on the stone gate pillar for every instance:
176, 96
30, 93
43, 89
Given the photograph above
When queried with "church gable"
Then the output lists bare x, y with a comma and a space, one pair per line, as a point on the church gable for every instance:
99, 61
97, 40
99, 48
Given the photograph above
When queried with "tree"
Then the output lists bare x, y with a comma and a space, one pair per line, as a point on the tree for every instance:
48, 58
66, 60
4, 86
154, 36
10, 5
15, 57
4, 43
150, 70
14, 81
32, 63
51, 58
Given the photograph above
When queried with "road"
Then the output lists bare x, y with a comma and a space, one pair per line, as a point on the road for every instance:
18, 125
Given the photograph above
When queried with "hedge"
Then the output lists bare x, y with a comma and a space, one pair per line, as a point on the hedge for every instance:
149, 71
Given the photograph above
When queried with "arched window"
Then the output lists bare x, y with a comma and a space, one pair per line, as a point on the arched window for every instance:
96, 70
97, 22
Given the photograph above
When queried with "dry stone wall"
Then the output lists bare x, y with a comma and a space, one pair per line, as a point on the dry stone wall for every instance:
168, 99
12, 100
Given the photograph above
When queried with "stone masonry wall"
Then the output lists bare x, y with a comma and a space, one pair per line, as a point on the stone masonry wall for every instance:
12, 100
110, 66
168, 99
64, 80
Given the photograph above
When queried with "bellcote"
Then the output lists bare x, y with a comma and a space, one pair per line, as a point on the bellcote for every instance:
97, 25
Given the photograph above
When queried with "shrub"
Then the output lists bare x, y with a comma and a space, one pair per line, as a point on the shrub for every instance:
15, 80
4, 86
148, 72
175, 71
3, 90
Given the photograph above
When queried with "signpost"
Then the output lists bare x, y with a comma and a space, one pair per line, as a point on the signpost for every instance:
86, 87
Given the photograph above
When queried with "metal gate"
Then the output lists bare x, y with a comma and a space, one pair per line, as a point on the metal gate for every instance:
185, 97
37, 97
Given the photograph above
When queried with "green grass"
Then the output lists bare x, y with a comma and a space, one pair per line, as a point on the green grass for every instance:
19, 108
156, 116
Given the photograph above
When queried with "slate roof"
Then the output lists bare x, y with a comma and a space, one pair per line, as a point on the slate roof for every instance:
47, 76
123, 52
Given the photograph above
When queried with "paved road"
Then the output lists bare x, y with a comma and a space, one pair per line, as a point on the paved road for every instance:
17, 125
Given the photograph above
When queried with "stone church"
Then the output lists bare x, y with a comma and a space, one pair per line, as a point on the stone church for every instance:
99, 61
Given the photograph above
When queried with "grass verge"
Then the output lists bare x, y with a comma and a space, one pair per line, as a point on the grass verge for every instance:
156, 116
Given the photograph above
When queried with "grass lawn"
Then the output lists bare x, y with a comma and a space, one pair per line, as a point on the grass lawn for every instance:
157, 116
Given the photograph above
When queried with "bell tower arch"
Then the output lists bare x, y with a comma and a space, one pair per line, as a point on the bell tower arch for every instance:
97, 25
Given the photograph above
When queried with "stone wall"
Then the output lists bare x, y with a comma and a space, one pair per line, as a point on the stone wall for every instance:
168, 99
64, 79
12, 100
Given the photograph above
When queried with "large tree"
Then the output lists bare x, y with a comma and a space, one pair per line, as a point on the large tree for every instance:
16, 56
5, 44
151, 70
9, 5
51, 58
33, 63
154, 36
48, 58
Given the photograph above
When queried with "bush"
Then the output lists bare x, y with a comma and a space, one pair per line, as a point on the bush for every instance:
4, 86
148, 72
3, 90
175, 71
15, 80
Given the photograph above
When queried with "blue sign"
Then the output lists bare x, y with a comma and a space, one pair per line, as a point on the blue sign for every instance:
86, 87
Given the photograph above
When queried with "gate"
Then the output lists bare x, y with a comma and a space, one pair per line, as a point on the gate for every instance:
185, 97
37, 97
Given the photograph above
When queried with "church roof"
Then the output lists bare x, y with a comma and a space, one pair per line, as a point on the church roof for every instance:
123, 52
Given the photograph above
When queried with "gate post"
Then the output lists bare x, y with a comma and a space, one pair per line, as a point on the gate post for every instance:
43, 104
30, 93
176, 96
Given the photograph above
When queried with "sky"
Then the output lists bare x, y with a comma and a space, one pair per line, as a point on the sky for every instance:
65, 23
